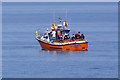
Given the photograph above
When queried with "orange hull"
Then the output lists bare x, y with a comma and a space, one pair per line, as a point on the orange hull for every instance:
67, 47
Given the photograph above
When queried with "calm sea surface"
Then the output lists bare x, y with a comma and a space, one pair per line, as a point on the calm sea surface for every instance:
22, 54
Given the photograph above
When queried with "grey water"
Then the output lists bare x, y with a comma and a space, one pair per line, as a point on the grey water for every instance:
22, 56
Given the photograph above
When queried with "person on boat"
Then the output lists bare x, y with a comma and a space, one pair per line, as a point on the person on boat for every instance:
73, 37
67, 34
78, 35
82, 36
59, 35
53, 35
63, 36
66, 37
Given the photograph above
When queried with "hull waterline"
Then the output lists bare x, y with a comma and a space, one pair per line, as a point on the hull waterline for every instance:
67, 47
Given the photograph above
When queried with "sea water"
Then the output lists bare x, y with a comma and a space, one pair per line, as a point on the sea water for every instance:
22, 56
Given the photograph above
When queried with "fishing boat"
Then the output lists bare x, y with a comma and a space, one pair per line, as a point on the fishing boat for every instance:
58, 39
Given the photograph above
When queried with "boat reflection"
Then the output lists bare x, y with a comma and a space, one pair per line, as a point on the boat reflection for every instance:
61, 52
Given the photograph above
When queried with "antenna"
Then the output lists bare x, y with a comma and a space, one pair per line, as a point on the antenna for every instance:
54, 15
66, 14
50, 22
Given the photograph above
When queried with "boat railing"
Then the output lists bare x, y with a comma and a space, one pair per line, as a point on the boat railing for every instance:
68, 40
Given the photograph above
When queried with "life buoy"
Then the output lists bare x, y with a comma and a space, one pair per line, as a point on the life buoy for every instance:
53, 25
66, 24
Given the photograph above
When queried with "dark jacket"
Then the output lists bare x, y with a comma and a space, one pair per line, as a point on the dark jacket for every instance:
76, 36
